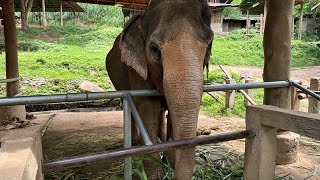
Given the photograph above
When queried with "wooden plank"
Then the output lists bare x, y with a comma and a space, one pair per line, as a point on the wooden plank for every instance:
314, 104
230, 95
249, 92
260, 151
302, 123
295, 101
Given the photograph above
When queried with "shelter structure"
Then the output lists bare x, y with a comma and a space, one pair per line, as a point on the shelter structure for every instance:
49, 6
258, 7
217, 7
231, 24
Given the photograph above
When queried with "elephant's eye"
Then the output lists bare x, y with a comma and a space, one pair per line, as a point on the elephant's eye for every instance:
155, 52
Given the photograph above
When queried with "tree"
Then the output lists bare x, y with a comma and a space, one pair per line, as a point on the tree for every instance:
26, 6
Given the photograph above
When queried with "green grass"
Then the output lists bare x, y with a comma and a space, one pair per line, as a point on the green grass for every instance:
63, 57
234, 50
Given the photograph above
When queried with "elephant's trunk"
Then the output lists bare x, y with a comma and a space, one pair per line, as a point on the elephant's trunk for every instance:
183, 86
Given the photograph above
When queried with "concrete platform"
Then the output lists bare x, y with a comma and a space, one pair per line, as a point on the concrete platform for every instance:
21, 152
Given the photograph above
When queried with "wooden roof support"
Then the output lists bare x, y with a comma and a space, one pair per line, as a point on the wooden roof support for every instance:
10, 36
277, 54
277, 50
10, 40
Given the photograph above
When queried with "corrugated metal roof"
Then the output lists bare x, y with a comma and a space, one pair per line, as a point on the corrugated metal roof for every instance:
51, 6
256, 7
139, 4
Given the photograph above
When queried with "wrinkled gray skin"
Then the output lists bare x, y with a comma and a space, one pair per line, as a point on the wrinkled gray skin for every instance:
165, 48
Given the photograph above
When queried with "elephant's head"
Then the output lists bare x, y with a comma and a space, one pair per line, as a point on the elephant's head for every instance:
168, 45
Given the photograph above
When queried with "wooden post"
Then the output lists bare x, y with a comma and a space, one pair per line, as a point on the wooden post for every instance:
230, 95
10, 36
277, 54
249, 92
295, 101
260, 151
314, 105
277, 51
12, 71
44, 19
248, 25
300, 21
61, 13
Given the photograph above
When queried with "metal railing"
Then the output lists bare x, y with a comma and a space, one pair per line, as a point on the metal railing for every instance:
10, 80
128, 109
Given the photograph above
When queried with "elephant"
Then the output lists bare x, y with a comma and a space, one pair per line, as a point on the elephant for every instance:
166, 47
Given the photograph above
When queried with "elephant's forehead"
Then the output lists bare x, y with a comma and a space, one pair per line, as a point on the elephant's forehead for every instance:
170, 19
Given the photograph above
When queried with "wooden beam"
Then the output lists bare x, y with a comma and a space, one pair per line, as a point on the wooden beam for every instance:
260, 151
11, 47
306, 124
300, 21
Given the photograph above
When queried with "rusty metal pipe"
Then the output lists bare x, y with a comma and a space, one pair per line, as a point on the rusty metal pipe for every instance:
143, 150
57, 98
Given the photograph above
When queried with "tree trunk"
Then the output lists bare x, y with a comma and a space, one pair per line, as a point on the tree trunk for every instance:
24, 21
44, 19
26, 6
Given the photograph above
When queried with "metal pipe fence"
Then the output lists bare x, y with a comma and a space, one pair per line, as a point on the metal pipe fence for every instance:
129, 108
10, 80
142, 150
311, 93
23, 100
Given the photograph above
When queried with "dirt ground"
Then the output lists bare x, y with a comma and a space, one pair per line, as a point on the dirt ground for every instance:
75, 133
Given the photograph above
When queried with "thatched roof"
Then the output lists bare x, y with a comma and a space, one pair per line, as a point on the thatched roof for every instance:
51, 6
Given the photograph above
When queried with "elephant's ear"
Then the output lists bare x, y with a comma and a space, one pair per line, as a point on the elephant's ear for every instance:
132, 45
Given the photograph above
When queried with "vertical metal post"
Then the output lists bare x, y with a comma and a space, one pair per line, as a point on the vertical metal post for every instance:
127, 138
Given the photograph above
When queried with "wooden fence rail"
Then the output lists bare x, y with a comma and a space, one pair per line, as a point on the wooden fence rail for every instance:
260, 152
